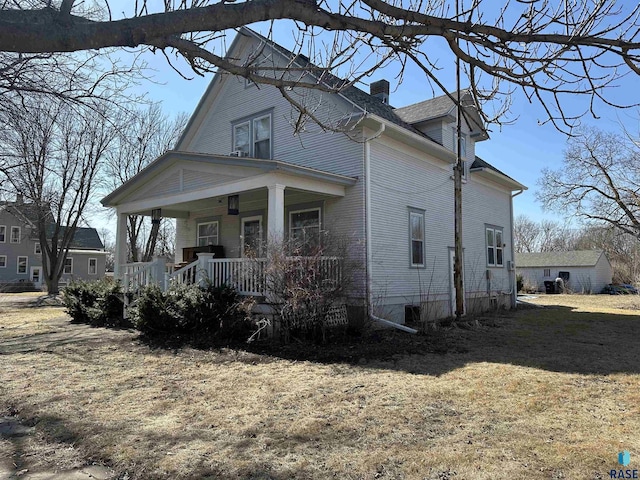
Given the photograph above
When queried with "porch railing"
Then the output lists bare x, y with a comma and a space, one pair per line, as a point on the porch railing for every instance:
247, 275
141, 274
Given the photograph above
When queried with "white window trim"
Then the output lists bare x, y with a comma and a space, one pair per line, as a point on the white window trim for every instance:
239, 124
253, 133
19, 234
36, 249
252, 141
3, 228
545, 274
418, 213
3, 264
89, 272
64, 266
495, 246
26, 265
208, 223
305, 210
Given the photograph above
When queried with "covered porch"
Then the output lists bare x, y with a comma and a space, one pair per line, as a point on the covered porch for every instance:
229, 211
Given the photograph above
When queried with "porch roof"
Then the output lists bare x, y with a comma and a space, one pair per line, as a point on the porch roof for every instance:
268, 170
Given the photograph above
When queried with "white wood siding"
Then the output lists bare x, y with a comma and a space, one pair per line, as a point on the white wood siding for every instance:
313, 147
401, 179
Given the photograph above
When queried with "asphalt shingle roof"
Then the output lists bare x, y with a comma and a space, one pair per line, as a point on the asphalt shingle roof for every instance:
83, 238
432, 108
576, 258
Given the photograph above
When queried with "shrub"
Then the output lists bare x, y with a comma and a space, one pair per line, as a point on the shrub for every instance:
96, 303
190, 309
180, 309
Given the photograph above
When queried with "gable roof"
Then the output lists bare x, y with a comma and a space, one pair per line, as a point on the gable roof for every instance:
576, 258
84, 238
432, 108
25, 212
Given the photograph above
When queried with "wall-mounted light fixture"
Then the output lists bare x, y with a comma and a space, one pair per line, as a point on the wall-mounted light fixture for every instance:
233, 204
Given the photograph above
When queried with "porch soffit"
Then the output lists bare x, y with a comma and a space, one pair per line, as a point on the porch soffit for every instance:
180, 173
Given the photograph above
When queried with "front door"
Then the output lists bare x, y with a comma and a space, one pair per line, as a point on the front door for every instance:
36, 276
252, 236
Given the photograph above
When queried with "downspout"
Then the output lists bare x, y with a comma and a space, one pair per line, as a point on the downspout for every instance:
369, 253
514, 282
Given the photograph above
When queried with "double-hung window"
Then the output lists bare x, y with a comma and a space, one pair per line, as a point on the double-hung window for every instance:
495, 247
3, 233
93, 266
15, 234
37, 249
23, 263
304, 229
68, 265
3, 261
416, 237
208, 233
252, 137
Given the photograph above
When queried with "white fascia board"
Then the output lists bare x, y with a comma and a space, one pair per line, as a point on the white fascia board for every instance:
235, 187
496, 177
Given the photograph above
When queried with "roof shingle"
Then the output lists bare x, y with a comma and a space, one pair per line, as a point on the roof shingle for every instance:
576, 258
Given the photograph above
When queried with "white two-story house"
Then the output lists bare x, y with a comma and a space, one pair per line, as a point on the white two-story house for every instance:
240, 173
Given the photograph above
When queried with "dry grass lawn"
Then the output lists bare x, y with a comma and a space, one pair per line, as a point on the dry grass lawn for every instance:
549, 393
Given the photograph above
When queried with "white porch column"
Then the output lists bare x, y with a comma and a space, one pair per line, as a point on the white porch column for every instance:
121, 244
275, 226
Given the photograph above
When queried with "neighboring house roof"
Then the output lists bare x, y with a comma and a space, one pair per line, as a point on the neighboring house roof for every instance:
84, 238
576, 258
26, 212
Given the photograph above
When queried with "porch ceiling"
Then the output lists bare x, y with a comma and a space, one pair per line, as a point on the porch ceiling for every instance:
179, 182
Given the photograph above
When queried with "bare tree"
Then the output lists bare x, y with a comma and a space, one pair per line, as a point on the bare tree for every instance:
50, 153
548, 50
599, 181
622, 249
148, 134
525, 234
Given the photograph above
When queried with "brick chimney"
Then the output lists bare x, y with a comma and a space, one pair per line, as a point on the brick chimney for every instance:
380, 89
19, 199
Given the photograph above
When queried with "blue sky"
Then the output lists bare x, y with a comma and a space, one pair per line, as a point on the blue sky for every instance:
521, 150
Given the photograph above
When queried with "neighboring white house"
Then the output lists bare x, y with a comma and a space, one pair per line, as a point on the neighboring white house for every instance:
583, 271
385, 185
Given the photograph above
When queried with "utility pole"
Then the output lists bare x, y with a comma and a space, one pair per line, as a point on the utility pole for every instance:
457, 203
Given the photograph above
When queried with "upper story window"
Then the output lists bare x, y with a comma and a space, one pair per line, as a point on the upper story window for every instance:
36, 249
416, 237
92, 268
3, 233
252, 137
495, 247
207, 234
15, 234
304, 229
